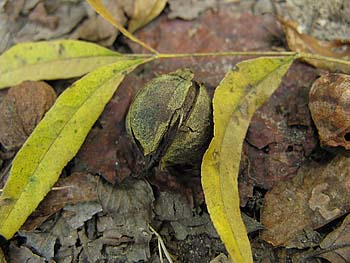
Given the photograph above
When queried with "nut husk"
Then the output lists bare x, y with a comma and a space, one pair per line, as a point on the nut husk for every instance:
170, 120
329, 103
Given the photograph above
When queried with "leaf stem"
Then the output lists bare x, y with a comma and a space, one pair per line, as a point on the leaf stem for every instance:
227, 53
324, 58
245, 53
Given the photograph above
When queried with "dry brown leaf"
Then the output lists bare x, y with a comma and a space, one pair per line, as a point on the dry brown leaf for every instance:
337, 244
20, 111
97, 29
45, 20
40, 15
304, 43
310, 200
130, 206
23, 254
78, 187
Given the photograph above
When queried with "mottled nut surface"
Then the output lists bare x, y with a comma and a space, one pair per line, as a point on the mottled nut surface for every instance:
329, 103
170, 119
20, 111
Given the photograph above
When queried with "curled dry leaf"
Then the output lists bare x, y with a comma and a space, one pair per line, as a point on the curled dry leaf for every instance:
310, 200
20, 111
304, 43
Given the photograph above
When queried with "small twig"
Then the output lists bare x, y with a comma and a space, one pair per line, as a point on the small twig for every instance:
161, 246
318, 253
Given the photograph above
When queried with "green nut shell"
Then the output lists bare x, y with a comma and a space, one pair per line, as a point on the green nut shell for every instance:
170, 119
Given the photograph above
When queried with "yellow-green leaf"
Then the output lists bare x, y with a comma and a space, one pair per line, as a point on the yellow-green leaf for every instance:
241, 92
48, 60
101, 9
55, 141
144, 12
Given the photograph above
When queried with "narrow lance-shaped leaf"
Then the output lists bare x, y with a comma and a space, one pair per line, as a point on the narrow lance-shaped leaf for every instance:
55, 141
240, 93
52, 60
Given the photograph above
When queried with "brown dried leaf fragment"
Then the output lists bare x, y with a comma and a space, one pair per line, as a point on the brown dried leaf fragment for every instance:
126, 231
96, 29
304, 43
310, 200
77, 188
40, 15
20, 111
337, 245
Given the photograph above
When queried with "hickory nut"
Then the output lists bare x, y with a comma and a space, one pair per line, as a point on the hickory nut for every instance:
170, 120
329, 103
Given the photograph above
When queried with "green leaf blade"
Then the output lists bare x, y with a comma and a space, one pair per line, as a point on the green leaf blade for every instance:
49, 60
55, 141
238, 96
